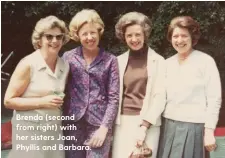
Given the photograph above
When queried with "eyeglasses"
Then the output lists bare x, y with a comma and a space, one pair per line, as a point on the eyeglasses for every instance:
50, 37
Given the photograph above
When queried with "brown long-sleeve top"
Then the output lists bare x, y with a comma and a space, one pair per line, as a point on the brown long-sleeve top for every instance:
135, 81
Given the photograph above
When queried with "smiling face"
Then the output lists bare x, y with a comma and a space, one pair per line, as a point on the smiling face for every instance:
134, 37
181, 40
89, 36
52, 40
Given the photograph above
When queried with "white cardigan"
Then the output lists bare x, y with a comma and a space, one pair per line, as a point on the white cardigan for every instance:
193, 89
155, 97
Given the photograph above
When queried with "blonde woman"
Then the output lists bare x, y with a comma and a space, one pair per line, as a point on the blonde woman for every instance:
142, 92
93, 88
31, 92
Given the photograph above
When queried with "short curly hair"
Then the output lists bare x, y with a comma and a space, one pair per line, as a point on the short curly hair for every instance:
188, 23
49, 22
83, 17
133, 18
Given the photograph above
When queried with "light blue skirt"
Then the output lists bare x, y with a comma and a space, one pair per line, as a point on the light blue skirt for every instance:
181, 140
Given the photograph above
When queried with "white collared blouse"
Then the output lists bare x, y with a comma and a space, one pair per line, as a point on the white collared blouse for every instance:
44, 82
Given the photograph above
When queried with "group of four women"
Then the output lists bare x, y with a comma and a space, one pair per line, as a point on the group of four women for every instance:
116, 102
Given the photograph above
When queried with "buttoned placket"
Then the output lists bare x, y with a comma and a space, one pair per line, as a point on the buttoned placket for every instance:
88, 70
88, 87
56, 76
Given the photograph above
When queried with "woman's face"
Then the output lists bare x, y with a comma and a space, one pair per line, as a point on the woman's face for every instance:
181, 40
89, 36
52, 40
134, 37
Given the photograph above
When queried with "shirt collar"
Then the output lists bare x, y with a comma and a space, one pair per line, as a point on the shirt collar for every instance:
42, 64
80, 57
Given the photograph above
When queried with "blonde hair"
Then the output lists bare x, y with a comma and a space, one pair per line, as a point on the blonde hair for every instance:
133, 18
46, 23
83, 17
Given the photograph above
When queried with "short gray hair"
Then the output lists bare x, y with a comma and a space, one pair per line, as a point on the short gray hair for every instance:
133, 18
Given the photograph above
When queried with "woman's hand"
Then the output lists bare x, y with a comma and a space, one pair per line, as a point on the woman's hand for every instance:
98, 138
209, 139
140, 135
51, 101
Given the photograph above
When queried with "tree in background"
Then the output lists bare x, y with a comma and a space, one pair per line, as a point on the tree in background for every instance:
19, 18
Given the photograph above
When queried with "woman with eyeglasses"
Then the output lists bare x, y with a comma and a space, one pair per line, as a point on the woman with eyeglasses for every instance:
93, 88
32, 93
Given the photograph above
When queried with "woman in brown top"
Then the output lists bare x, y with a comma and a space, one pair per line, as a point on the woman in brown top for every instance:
142, 93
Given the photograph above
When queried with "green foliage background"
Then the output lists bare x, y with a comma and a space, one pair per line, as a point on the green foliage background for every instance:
19, 19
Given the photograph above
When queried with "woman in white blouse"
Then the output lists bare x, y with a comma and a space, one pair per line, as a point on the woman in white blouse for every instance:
193, 95
32, 93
